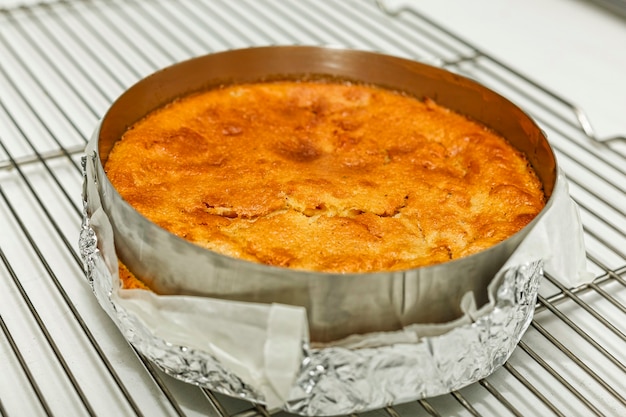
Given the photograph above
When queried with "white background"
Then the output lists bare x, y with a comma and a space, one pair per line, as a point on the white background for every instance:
574, 47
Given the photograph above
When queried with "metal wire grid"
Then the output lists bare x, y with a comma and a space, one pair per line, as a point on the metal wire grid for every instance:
61, 66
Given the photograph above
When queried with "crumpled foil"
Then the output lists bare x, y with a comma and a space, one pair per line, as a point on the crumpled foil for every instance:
337, 380
189, 365
340, 380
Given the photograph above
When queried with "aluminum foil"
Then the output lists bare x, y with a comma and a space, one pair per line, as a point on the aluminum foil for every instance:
338, 380
335, 379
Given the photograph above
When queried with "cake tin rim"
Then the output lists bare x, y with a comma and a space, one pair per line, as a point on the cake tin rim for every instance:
306, 273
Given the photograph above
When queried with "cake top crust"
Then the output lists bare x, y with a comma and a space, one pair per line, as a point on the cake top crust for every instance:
324, 176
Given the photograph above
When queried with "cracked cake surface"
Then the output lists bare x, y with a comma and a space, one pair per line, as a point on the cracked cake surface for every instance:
324, 176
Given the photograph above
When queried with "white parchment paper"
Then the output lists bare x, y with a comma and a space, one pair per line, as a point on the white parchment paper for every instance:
262, 343
271, 355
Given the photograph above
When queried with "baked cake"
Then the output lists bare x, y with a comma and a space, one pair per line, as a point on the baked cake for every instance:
324, 176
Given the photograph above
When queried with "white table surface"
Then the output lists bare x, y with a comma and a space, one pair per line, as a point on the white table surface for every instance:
574, 47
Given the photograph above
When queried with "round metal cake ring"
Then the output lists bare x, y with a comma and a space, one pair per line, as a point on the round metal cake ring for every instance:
337, 305
339, 380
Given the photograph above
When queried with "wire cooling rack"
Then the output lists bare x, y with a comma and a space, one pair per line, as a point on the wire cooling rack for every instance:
63, 63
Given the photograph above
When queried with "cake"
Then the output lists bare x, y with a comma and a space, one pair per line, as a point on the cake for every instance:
326, 176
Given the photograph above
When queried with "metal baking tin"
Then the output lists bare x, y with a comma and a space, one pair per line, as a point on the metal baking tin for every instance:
337, 305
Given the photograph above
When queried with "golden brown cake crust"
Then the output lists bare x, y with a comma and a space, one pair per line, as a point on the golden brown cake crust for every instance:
128, 280
324, 176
